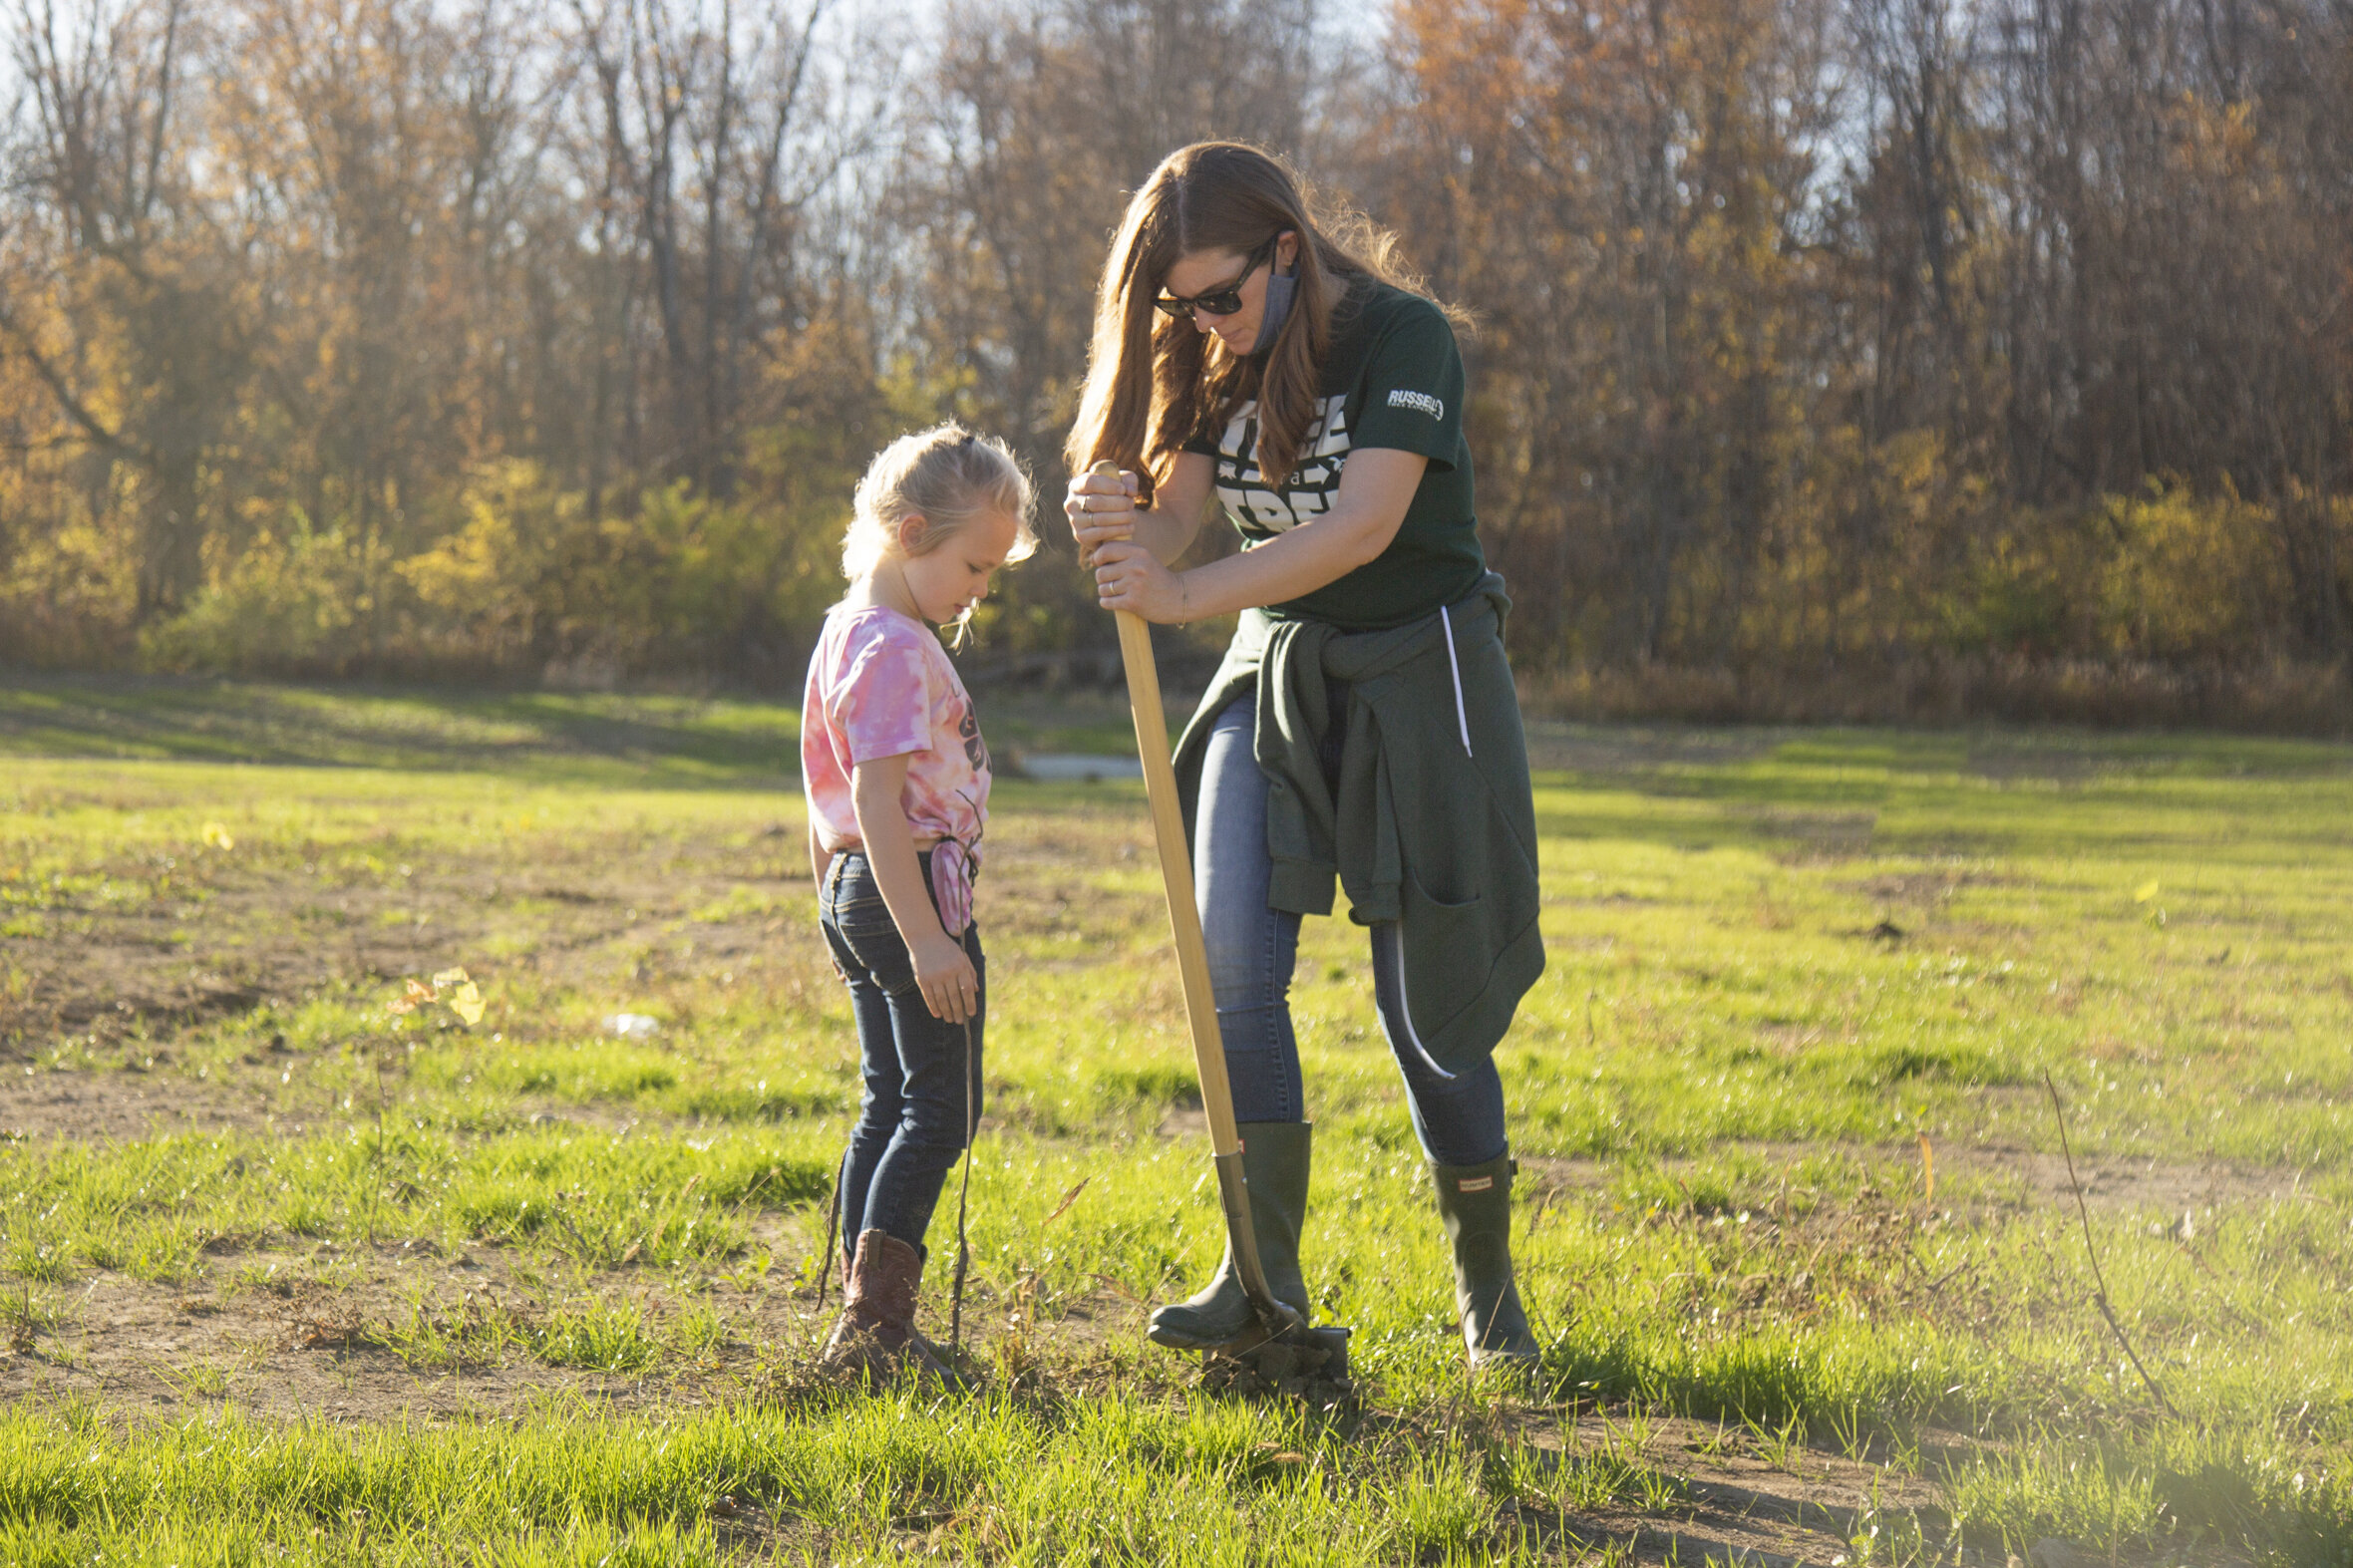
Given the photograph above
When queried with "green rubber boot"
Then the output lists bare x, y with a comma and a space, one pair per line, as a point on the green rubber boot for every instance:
1275, 1163
1475, 1201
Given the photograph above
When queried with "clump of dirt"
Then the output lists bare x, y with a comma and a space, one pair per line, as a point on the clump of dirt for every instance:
1315, 1374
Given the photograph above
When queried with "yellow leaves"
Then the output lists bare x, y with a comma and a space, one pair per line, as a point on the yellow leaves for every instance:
462, 997
2189, 574
467, 1004
514, 516
2145, 893
452, 988
218, 837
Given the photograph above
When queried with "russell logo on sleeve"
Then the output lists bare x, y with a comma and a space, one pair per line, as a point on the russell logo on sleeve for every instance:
1402, 399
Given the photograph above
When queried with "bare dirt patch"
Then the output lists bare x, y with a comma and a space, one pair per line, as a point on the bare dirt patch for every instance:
328, 1333
144, 955
138, 952
113, 973
1732, 1498
1928, 889
1818, 837
117, 1107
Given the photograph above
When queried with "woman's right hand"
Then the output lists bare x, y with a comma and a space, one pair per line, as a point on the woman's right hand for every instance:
1101, 510
945, 974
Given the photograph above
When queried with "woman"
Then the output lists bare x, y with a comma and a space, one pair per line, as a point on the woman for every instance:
1364, 724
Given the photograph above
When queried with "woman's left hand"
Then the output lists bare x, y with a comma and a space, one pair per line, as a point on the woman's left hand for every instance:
1130, 578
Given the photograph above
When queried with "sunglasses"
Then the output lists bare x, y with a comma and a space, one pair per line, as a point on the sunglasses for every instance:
1220, 301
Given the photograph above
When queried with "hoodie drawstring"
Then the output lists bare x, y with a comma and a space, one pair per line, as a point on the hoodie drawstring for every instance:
1454, 665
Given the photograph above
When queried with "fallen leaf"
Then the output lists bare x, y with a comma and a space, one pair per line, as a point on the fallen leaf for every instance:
216, 837
2145, 893
466, 1003
412, 998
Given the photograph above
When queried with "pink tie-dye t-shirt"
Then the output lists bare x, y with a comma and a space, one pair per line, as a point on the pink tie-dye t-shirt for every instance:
880, 685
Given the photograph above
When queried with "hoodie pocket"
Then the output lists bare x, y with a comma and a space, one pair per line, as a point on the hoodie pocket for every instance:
1445, 954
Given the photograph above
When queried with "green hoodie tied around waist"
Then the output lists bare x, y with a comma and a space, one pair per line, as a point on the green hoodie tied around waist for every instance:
1433, 824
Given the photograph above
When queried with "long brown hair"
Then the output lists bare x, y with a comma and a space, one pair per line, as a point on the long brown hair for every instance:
1153, 381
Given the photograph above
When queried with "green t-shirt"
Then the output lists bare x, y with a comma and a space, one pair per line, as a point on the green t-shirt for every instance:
1394, 378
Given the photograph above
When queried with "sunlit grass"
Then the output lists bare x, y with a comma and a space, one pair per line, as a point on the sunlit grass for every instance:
1775, 969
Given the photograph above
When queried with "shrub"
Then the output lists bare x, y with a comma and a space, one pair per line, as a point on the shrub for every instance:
291, 603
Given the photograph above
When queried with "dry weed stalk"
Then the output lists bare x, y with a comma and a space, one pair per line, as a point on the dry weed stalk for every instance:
2099, 1280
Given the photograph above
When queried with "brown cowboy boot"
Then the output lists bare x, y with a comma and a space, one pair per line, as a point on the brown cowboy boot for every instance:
876, 1333
931, 1346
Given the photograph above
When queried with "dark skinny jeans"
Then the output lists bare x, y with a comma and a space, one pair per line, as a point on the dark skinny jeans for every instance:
922, 1076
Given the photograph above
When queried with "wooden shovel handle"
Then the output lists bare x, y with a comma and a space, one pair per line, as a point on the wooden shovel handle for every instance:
1275, 1318
1168, 831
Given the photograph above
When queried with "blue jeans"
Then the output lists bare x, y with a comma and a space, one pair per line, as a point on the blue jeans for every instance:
1254, 950
922, 1076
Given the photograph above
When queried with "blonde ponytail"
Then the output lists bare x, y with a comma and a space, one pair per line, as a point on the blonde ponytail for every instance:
950, 477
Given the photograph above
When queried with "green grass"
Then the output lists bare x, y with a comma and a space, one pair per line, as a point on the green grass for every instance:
1032, 1481
1779, 961
571, 737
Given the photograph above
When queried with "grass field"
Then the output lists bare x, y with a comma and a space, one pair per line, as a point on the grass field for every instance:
290, 1276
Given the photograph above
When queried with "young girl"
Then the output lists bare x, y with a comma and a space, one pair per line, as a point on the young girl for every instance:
897, 782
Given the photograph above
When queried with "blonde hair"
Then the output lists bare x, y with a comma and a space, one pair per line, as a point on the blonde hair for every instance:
1153, 382
948, 476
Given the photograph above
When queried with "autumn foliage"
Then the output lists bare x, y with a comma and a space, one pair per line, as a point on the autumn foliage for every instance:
1816, 339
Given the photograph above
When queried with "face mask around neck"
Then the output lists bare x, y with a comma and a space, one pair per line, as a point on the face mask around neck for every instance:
1279, 291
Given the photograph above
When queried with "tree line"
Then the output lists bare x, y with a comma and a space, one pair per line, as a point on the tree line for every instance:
1813, 337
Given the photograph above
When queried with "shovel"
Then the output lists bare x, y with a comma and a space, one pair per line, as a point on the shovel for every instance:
1326, 1349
